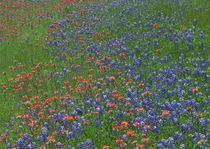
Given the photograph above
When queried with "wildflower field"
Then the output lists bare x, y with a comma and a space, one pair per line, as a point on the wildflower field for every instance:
104, 74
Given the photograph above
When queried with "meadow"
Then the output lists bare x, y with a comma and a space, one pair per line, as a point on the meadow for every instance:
106, 74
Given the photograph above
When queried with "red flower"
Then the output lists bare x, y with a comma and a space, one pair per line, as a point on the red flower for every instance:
115, 96
195, 90
128, 103
85, 122
115, 128
140, 110
136, 124
124, 125
123, 144
53, 64
144, 140
105, 147
201, 141
51, 140
4, 138
130, 134
26, 117
64, 54
43, 147
110, 105
140, 146
112, 78
65, 132
122, 55
141, 84
165, 113
147, 126
118, 141
105, 58
121, 98
4, 72
189, 108
133, 142
146, 93
54, 133
184, 28
68, 118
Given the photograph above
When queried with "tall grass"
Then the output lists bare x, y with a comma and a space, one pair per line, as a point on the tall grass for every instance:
123, 74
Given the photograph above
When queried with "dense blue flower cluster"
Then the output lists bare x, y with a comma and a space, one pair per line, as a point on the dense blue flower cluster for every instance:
132, 71
167, 58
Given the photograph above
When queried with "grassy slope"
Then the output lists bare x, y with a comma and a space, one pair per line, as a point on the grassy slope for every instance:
21, 51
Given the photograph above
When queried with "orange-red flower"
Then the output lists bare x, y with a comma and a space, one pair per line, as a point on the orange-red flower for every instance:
3, 138
141, 84
135, 124
124, 125
201, 141
65, 132
122, 55
110, 105
146, 93
189, 108
139, 146
112, 78
139, 110
115, 128
68, 118
158, 50
105, 58
54, 133
128, 103
130, 134
195, 90
144, 140
85, 122
121, 98
105, 147
147, 126
118, 141
51, 140
123, 144
165, 113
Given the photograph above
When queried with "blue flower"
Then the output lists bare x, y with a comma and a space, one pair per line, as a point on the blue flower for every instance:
41, 139
178, 136
160, 146
9, 146
155, 129
184, 128
59, 145
79, 146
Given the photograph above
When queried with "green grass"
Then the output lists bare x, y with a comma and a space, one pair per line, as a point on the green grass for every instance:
15, 47
18, 49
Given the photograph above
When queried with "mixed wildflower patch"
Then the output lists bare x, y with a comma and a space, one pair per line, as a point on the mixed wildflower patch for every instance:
18, 14
120, 74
